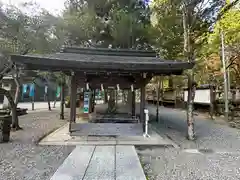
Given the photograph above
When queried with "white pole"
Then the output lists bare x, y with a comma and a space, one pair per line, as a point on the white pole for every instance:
225, 77
87, 86
146, 123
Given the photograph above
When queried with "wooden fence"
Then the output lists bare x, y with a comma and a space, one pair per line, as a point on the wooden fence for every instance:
207, 98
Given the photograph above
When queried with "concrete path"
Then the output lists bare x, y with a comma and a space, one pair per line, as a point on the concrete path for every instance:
101, 163
62, 137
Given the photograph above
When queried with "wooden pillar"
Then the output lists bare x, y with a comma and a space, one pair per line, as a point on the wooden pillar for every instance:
142, 105
158, 95
73, 100
212, 101
105, 96
62, 101
116, 97
161, 91
123, 99
133, 103
93, 100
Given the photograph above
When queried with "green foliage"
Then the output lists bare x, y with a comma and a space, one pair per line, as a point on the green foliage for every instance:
168, 20
229, 25
169, 31
58, 77
168, 28
121, 24
22, 33
81, 26
118, 24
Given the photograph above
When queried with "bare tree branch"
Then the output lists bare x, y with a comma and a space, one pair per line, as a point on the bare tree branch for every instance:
232, 61
227, 8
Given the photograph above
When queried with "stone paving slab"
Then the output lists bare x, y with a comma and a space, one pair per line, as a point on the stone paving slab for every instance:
75, 164
128, 166
101, 163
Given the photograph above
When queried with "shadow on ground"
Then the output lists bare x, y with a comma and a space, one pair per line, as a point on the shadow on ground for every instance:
213, 155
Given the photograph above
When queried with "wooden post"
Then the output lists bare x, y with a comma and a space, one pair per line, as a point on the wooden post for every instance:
116, 97
212, 101
32, 98
105, 96
175, 99
142, 105
93, 100
158, 94
73, 100
62, 101
133, 103
162, 91
123, 97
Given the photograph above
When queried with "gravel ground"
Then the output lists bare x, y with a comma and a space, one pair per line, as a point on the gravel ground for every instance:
215, 155
22, 159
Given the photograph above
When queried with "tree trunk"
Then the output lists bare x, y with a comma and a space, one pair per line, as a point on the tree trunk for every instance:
190, 107
48, 101
188, 52
16, 98
15, 123
47, 97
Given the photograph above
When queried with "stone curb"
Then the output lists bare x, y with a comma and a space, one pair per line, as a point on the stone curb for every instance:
165, 137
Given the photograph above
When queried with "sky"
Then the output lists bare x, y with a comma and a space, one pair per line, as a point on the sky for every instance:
53, 6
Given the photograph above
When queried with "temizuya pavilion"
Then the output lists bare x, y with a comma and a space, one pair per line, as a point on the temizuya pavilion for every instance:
107, 67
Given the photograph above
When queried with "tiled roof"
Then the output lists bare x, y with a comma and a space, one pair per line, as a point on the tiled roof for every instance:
106, 61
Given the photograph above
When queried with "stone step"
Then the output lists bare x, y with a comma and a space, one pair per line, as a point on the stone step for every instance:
106, 129
116, 120
101, 163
